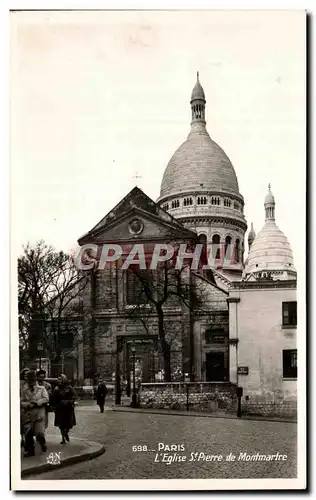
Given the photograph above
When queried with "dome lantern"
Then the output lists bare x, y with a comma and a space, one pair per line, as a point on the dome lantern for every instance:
269, 205
198, 102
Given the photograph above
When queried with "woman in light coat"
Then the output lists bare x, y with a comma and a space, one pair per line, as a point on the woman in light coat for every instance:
34, 399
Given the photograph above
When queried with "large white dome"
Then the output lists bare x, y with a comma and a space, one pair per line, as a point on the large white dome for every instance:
270, 250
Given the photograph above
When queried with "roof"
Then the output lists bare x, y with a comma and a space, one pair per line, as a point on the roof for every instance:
197, 92
269, 199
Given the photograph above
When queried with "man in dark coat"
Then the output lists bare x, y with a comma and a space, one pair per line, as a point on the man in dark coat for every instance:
101, 395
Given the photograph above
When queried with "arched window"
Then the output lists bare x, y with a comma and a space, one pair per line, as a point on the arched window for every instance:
237, 250
203, 239
216, 240
135, 293
228, 252
187, 202
198, 200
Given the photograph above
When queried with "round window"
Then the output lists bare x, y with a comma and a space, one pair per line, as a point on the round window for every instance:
135, 226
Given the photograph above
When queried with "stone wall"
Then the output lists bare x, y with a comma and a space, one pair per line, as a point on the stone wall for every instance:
202, 396
212, 397
269, 408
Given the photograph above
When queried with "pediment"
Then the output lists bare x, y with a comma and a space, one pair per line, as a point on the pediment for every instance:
138, 225
115, 225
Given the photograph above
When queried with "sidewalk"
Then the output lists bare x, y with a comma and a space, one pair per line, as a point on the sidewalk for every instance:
57, 455
190, 413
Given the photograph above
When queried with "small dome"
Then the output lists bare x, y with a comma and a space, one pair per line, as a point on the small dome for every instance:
269, 199
197, 92
270, 250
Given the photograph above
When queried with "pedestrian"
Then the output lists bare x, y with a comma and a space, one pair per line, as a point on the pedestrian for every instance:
41, 375
101, 395
33, 401
22, 384
63, 404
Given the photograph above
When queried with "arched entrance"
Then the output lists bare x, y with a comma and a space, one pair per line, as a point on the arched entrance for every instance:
136, 362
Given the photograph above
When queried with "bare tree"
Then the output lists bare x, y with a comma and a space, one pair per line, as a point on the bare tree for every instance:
155, 290
50, 291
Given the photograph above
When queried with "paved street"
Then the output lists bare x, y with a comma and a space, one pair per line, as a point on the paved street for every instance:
120, 431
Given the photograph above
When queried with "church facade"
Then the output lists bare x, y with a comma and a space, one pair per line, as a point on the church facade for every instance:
243, 330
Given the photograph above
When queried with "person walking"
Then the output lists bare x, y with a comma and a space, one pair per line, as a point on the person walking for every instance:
23, 373
33, 401
63, 404
41, 376
101, 395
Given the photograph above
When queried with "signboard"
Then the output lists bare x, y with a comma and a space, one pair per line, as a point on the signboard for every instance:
216, 336
140, 341
242, 370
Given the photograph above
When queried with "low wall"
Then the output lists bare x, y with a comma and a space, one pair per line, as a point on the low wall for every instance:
266, 406
201, 396
212, 397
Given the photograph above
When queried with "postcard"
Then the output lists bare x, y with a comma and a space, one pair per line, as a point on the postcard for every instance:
158, 172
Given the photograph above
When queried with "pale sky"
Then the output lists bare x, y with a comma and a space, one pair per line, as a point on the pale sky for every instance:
97, 96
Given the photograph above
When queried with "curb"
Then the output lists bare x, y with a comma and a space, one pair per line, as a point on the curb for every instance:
96, 450
204, 415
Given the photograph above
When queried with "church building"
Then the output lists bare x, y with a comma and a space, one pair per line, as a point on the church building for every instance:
243, 332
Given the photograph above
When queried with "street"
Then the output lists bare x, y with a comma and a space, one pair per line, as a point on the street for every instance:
199, 436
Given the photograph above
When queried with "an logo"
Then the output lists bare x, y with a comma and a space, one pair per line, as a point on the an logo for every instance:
54, 458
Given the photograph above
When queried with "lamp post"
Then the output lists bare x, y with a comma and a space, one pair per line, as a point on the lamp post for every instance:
62, 362
40, 349
134, 397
